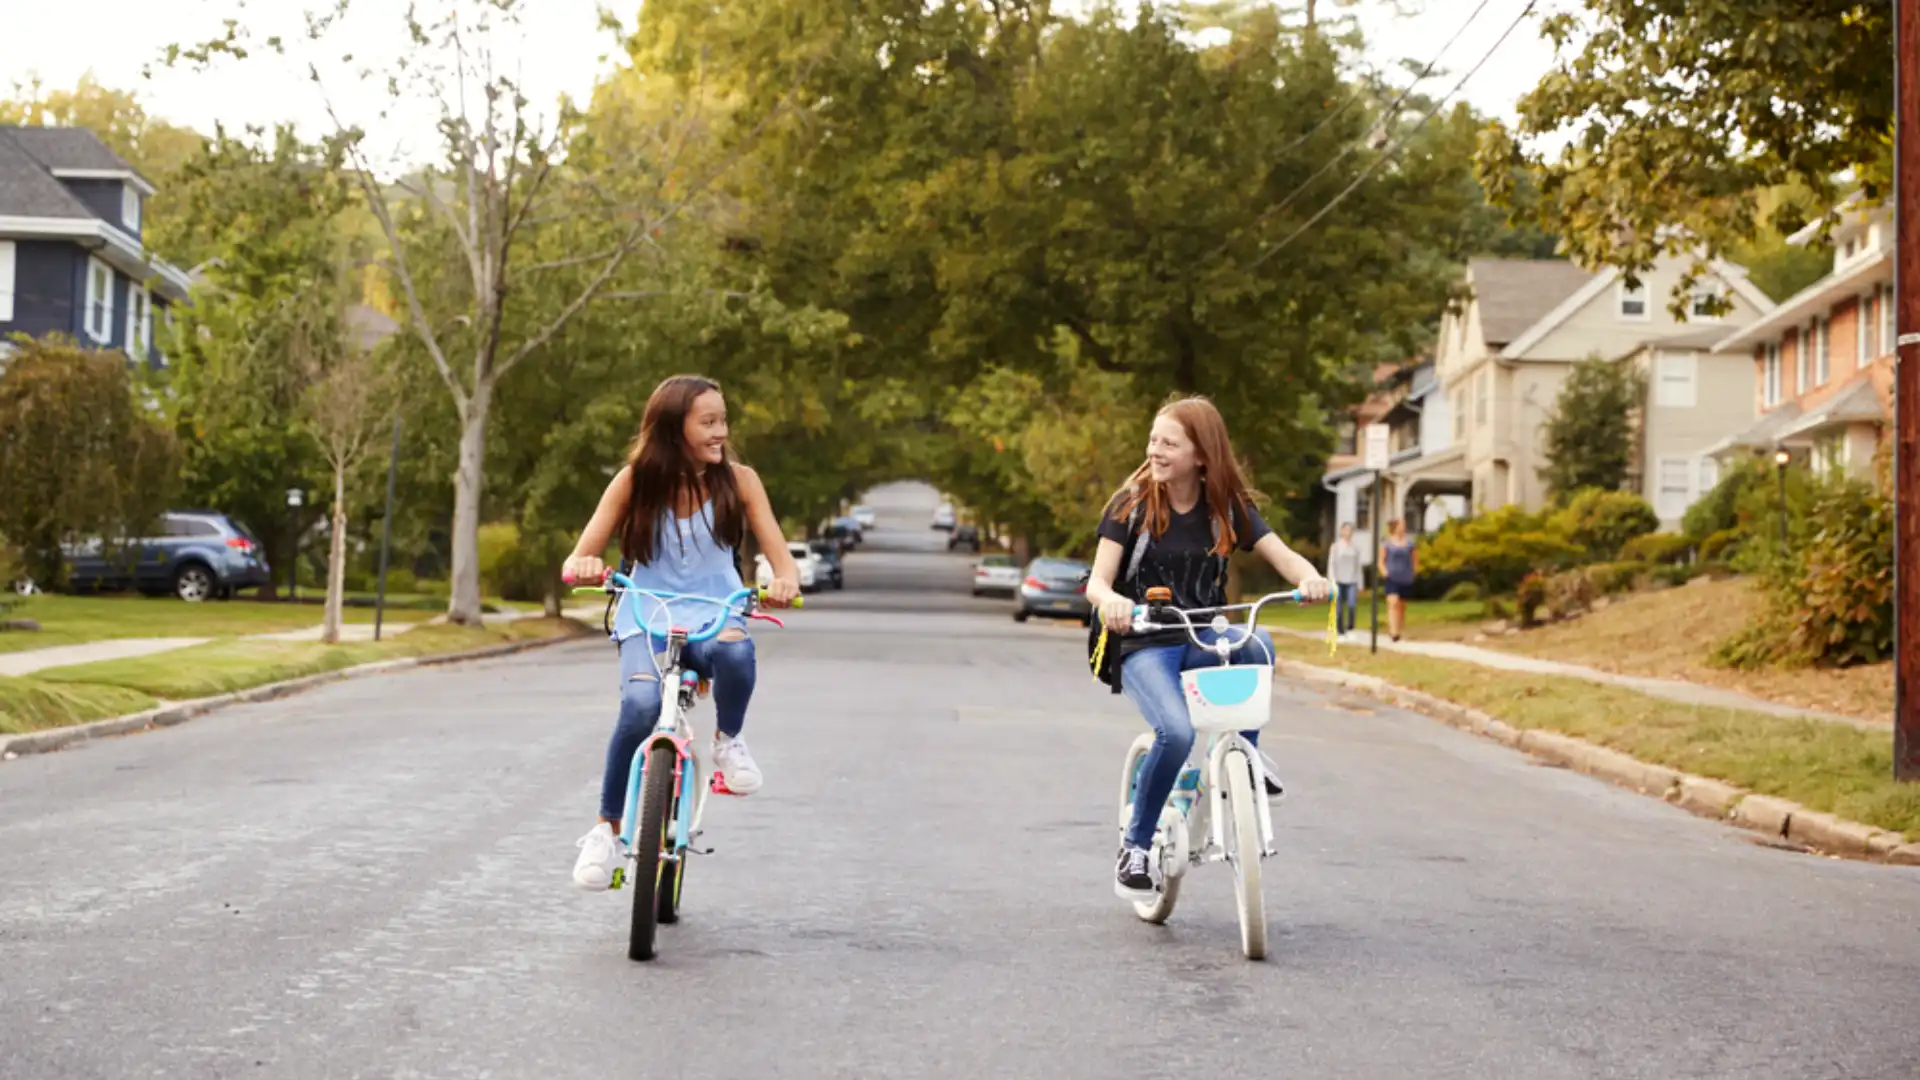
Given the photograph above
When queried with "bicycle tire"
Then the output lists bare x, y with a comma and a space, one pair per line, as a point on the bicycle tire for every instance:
1158, 910
1243, 850
656, 798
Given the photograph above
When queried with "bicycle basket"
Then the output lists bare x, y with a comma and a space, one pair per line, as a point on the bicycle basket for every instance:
1238, 697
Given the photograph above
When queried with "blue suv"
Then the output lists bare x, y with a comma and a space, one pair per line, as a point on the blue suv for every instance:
198, 555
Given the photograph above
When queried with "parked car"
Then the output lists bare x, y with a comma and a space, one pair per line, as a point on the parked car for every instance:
196, 555
865, 516
965, 536
832, 563
996, 575
845, 532
943, 516
1054, 589
804, 556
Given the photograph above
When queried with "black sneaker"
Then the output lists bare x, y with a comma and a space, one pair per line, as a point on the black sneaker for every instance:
1131, 879
1274, 790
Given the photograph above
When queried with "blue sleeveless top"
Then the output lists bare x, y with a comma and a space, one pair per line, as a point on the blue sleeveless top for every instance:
687, 559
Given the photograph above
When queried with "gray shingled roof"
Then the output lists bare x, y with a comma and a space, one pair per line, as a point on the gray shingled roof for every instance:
66, 148
1516, 293
27, 189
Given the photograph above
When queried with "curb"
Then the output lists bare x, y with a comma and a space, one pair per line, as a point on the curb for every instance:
1777, 819
41, 742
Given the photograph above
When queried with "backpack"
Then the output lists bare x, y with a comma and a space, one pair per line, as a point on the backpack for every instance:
1103, 651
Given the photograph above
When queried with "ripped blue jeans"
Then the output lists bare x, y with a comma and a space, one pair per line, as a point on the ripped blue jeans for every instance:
1151, 677
728, 664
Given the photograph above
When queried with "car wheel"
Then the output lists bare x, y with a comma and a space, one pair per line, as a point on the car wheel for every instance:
1021, 614
193, 583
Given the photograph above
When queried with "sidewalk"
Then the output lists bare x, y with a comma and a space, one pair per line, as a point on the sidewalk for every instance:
1686, 693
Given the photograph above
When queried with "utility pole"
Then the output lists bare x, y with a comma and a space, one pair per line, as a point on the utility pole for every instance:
1906, 391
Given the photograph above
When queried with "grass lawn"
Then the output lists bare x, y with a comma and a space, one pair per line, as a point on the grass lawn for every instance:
1825, 766
1670, 633
72, 620
1449, 619
70, 695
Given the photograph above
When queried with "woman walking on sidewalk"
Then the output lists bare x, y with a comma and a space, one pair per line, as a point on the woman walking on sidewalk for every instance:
1397, 568
1343, 569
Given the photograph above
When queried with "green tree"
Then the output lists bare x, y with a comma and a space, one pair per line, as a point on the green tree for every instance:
1589, 438
80, 449
1683, 113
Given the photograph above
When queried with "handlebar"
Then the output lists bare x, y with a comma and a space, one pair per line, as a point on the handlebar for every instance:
1146, 616
617, 582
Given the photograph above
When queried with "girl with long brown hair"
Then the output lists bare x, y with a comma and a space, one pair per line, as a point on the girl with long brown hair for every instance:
681, 507
1190, 504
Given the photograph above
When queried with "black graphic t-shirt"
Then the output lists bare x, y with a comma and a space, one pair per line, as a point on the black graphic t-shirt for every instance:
1182, 560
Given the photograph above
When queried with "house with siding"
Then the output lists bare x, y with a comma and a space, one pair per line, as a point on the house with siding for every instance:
1418, 486
72, 258
1506, 349
1819, 368
1695, 397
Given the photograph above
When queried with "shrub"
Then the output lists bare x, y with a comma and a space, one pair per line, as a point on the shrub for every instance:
1670, 574
1720, 545
1611, 579
516, 568
1657, 548
12, 571
1529, 597
1830, 599
1463, 592
1569, 593
1497, 608
1603, 522
401, 580
1498, 548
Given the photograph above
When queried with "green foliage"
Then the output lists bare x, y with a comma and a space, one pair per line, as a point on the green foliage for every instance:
1720, 545
1588, 440
1830, 601
514, 568
80, 452
1604, 522
1569, 593
1529, 597
1497, 608
1657, 548
1671, 574
1613, 578
1463, 592
1751, 95
1497, 548
12, 570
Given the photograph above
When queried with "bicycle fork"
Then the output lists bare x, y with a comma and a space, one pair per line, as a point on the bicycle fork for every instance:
1218, 795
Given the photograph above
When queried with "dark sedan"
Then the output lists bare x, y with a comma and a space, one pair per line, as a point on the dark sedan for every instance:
1054, 589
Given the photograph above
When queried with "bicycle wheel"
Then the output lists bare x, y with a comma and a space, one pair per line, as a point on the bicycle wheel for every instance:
656, 800
1160, 908
1243, 851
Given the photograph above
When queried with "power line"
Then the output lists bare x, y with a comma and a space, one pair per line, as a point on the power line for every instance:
1388, 154
1391, 111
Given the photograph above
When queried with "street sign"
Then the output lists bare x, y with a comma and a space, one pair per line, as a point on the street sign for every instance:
1377, 456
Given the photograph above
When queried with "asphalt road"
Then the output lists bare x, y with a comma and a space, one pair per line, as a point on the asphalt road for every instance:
371, 880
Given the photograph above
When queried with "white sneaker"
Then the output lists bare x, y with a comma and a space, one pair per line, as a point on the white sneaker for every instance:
599, 854
733, 766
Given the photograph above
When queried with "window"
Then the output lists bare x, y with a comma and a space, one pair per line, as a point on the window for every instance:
6, 280
1822, 339
1633, 301
1675, 386
1459, 413
1862, 324
130, 207
1481, 383
1803, 362
1363, 508
99, 312
139, 322
1705, 301
1770, 377
1345, 440
1676, 487
1709, 474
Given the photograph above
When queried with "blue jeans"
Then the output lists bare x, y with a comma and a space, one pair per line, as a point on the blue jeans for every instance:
1349, 604
1151, 677
728, 664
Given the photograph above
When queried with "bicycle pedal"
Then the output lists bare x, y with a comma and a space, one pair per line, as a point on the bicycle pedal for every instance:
619, 878
699, 851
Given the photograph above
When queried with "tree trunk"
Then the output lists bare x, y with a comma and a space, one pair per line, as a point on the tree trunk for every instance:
463, 606
336, 559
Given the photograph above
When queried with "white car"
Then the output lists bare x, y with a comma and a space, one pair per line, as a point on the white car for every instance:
807, 559
996, 574
943, 518
865, 516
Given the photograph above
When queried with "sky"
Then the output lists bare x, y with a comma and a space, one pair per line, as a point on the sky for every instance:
559, 52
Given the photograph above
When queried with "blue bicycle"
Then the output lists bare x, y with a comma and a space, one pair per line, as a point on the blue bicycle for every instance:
666, 802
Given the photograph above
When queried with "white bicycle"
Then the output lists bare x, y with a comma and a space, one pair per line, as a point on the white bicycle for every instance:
1224, 802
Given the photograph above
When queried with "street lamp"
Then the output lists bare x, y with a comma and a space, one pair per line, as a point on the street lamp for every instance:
295, 500
1781, 458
